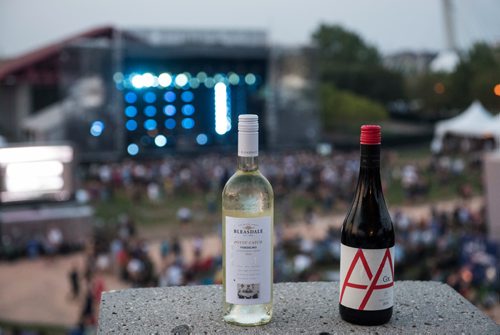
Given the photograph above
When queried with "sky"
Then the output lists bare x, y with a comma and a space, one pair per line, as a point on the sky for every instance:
390, 25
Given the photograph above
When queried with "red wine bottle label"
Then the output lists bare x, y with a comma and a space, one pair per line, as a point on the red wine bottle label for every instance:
366, 278
248, 260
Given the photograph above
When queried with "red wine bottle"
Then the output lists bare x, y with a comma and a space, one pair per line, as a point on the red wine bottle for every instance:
367, 243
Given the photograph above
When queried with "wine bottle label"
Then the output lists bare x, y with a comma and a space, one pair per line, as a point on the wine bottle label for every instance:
248, 260
248, 144
366, 278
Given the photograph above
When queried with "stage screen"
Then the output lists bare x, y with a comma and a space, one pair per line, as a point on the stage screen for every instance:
36, 173
188, 105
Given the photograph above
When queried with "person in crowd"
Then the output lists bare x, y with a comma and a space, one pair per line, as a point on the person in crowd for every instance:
74, 280
54, 241
87, 313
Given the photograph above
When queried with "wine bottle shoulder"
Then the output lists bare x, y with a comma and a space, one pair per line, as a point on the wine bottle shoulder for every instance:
249, 192
368, 223
368, 232
247, 181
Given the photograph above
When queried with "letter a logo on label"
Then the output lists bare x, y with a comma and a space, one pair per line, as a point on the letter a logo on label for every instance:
367, 278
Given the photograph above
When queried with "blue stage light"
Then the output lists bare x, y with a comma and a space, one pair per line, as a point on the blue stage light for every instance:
181, 79
118, 77
187, 96
133, 149
209, 82
187, 123
194, 82
160, 141
250, 79
130, 111
201, 139
234, 79
130, 97
222, 112
150, 111
131, 125
165, 79
188, 110
148, 80
170, 124
96, 128
150, 124
137, 81
149, 97
201, 76
169, 96
169, 110
219, 78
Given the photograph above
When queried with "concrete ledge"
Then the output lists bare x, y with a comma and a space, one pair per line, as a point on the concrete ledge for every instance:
299, 308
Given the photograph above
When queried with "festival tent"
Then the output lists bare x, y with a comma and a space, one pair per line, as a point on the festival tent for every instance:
493, 129
475, 122
494, 126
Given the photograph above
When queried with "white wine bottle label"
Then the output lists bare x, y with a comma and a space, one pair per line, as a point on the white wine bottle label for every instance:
248, 144
366, 278
248, 260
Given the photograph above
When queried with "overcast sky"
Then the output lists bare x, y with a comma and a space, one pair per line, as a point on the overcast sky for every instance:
391, 25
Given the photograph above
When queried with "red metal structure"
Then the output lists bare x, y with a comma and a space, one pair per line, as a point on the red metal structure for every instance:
41, 67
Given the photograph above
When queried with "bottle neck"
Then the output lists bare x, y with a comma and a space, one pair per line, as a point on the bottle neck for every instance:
248, 150
370, 156
369, 171
248, 164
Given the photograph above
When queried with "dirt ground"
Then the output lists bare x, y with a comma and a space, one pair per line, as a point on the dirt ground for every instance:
37, 291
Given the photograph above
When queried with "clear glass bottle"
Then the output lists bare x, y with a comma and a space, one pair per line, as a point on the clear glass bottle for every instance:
248, 215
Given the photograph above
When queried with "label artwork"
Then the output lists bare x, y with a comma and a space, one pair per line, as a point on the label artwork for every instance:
248, 260
366, 278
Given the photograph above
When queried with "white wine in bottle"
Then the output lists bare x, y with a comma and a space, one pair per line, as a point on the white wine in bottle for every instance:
247, 215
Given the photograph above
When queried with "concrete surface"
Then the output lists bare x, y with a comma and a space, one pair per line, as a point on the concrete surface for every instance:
299, 308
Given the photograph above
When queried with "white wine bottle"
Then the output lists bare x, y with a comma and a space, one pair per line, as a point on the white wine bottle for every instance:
247, 215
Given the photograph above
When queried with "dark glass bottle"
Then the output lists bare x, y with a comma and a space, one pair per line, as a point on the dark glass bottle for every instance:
367, 243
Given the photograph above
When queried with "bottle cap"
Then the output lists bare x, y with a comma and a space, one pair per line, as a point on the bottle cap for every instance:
248, 123
248, 135
370, 134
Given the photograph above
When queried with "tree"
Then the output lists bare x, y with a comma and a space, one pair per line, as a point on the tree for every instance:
350, 64
475, 76
484, 64
339, 46
341, 108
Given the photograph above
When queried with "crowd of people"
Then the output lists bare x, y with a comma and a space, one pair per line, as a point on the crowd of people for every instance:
325, 179
49, 241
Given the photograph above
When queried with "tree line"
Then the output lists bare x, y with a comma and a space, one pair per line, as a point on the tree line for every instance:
355, 86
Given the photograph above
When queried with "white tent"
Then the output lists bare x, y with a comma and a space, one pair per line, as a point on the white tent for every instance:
493, 129
475, 122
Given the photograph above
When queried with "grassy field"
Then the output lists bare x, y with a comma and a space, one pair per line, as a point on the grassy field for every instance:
438, 189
